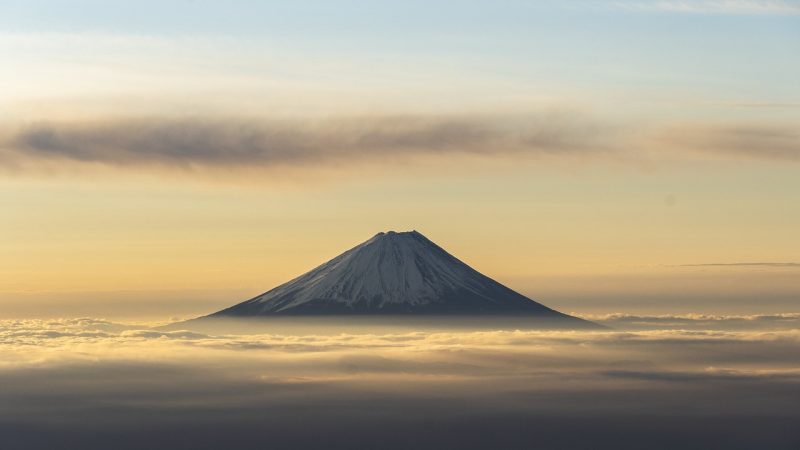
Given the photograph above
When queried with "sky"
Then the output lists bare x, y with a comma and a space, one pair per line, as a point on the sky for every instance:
173, 158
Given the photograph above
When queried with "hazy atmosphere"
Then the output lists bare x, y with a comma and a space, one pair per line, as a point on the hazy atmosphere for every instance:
632, 163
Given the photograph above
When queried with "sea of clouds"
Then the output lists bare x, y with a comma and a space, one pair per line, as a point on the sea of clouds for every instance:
653, 381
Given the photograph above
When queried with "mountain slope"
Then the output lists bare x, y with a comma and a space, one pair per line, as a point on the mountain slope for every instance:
392, 273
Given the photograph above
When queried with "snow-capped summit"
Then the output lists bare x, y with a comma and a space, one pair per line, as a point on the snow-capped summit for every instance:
391, 273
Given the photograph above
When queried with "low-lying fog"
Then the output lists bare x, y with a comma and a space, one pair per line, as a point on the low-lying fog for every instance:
647, 382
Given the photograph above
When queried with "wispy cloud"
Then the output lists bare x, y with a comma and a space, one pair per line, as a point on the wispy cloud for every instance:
752, 140
743, 264
706, 375
714, 6
775, 105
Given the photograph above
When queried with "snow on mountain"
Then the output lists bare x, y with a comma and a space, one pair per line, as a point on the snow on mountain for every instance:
392, 273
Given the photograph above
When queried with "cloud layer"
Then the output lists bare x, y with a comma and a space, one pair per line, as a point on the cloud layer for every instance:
705, 322
261, 144
273, 142
85, 383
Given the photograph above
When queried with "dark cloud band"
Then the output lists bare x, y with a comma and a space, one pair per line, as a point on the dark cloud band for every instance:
266, 143
204, 142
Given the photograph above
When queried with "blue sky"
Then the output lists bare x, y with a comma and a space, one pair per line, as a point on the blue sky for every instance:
737, 52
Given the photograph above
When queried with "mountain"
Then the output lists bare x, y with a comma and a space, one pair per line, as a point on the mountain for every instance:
394, 274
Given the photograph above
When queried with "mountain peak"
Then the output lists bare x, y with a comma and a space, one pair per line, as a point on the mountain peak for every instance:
404, 238
392, 233
392, 273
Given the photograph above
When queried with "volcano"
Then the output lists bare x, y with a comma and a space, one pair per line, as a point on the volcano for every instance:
393, 273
